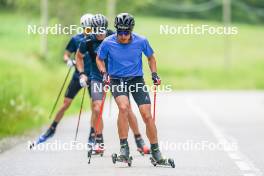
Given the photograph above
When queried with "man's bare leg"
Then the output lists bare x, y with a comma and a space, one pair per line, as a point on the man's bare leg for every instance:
96, 128
133, 124
151, 130
122, 122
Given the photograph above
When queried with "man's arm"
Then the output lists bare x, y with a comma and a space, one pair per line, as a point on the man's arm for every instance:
80, 67
67, 55
101, 65
67, 59
153, 68
70, 48
79, 61
101, 55
152, 63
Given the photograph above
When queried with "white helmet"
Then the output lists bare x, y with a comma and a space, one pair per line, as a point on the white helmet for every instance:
86, 20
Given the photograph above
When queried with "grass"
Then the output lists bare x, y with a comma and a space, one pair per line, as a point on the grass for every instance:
27, 95
29, 85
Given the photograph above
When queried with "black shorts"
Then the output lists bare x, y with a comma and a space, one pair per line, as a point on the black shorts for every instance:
134, 85
96, 90
73, 88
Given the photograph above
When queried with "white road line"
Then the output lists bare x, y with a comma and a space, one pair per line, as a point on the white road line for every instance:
249, 174
234, 156
244, 164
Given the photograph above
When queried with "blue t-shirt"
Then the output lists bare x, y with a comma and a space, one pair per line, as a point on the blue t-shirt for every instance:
94, 73
74, 43
72, 47
125, 60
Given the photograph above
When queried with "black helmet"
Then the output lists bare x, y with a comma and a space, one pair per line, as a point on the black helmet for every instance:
99, 20
124, 21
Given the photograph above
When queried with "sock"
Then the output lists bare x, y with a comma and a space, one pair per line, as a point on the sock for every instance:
54, 125
99, 138
137, 136
154, 146
92, 131
123, 142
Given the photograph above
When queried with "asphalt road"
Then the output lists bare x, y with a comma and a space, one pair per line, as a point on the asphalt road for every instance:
191, 127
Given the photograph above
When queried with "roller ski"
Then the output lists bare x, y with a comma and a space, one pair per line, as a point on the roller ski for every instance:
123, 157
94, 151
157, 160
44, 137
163, 162
91, 144
96, 147
141, 147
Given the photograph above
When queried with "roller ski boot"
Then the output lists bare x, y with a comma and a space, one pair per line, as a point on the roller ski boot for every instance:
91, 140
157, 159
99, 147
123, 157
142, 148
44, 137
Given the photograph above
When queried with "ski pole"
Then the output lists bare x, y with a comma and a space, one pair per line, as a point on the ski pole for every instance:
79, 117
98, 122
100, 112
110, 106
58, 97
155, 99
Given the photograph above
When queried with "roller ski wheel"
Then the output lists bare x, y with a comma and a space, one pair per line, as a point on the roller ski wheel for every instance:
114, 158
89, 155
163, 162
122, 159
32, 145
171, 162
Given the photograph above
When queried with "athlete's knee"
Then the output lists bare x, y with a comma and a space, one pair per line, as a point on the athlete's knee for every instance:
66, 104
96, 108
124, 108
146, 115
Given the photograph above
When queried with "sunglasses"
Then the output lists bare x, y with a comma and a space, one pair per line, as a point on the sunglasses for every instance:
123, 33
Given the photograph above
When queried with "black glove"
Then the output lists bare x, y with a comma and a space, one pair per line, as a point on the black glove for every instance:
155, 78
